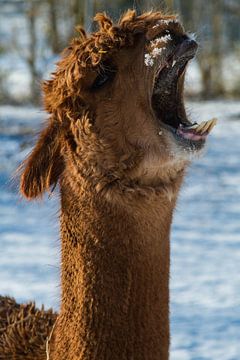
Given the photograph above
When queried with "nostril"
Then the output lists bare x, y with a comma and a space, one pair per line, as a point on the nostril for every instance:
183, 38
191, 42
187, 47
188, 40
192, 45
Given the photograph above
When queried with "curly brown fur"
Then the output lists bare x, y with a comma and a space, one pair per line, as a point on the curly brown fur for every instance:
120, 170
24, 330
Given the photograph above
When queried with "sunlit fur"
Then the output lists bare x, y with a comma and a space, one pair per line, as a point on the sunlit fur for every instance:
119, 181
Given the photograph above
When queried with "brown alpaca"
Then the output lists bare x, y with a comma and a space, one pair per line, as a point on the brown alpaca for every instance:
117, 141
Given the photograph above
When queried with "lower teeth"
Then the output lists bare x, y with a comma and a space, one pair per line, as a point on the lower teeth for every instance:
205, 126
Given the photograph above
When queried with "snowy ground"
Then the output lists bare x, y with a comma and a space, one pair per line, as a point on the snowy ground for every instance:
205, 281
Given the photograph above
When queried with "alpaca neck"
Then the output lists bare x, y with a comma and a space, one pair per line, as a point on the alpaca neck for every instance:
115, 278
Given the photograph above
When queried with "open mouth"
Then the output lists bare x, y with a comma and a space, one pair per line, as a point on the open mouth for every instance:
167, 98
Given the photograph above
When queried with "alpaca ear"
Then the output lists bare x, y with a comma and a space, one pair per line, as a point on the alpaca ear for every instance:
42, 168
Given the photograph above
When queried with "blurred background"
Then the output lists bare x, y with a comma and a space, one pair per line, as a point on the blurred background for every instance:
205, 280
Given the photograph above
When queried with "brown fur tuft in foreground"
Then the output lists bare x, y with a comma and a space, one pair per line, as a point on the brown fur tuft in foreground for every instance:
23, 330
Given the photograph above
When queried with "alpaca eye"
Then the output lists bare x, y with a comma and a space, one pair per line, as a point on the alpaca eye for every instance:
166, 32
103, 78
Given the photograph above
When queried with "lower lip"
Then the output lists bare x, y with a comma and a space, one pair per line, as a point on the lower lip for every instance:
190, 135
195, 142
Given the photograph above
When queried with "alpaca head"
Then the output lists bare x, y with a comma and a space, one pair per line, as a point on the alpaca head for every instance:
116, 106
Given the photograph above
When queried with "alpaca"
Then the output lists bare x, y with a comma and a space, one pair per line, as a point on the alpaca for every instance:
117, 141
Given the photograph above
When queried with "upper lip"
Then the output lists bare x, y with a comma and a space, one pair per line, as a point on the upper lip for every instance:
169, 72
169, 106
186, 49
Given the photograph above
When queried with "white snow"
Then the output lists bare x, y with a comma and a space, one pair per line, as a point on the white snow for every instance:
168, 21
148, 60
165, 22
154, 50
162, 39
206, 245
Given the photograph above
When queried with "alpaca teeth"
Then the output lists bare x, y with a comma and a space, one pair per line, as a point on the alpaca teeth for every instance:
212, 124
206, 126
201, 127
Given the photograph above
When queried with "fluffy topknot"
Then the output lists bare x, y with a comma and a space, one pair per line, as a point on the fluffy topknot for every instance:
88, 51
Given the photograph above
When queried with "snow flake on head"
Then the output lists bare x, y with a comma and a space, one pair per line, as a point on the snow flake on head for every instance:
162, 39
148, 60
167, 21
156, 49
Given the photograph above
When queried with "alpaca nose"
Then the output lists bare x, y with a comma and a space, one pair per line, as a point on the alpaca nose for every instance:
187, 48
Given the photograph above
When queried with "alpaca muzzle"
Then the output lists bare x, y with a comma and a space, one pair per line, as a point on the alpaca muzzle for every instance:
167, 98
186, 49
